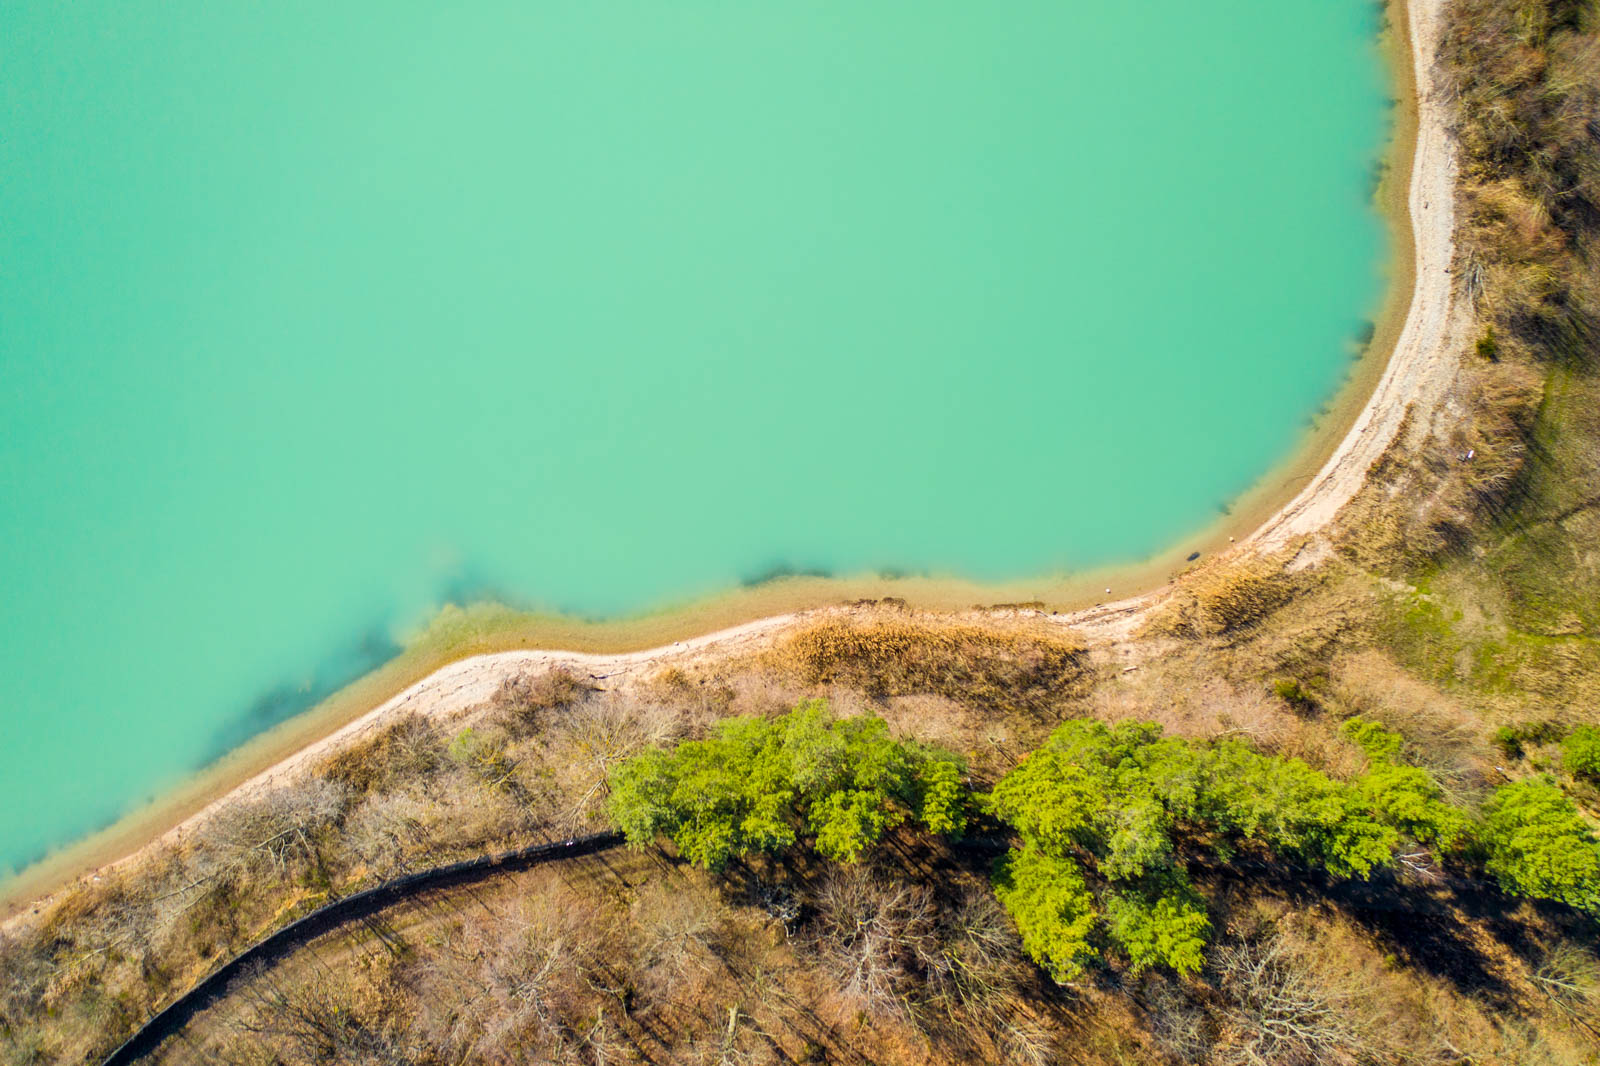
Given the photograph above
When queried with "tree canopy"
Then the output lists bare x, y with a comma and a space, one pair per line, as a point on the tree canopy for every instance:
1055, 912
759, 784
1105, 816
1405, 796
1580, 753
1121, 798
1538, 844
1532, 838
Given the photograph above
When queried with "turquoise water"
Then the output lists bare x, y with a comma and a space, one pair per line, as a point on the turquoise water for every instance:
313, 316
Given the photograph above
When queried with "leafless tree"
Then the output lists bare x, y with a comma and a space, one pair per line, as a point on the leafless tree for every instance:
1177, 1023
1570, 977
1027, 1042
518, 986
389, 830
596, 734
971, 960
972, 968
871, 933
1280, 1013
894, 952
676, 926
270, 834
313, 1021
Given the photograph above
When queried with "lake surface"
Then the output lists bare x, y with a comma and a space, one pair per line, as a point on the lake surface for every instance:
315, 316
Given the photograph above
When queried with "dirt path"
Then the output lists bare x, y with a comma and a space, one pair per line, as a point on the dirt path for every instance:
341, 912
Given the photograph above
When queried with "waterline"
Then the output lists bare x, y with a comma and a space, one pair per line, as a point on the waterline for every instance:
276, 543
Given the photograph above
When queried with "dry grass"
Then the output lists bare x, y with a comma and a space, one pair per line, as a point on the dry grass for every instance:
1440, 734
626, 959
1005, 666
770, 964
523, 700
1225, 600
1526, 75
406, 750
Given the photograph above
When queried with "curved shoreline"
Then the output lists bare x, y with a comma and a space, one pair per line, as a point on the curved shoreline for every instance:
1416, 375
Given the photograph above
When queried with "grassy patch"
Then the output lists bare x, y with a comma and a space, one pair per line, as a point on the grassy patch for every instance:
1447, 639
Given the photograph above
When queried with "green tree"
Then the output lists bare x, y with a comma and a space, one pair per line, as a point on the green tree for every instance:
1120, 799
1379, 742
1054, 910
1295, 811
1093, 788
1580, 753
1161, 923
942, 797
1409, 799
1539, 845
755, 784
1405, 796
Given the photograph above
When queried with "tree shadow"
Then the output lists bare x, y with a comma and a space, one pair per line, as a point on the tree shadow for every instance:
1429, 928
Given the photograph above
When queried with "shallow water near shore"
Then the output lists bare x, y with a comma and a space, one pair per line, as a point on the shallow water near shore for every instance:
314, 318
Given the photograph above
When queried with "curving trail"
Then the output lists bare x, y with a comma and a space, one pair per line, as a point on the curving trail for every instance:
332, 915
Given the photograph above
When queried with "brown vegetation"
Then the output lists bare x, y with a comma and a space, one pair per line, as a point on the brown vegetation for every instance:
1224, 599
627, 958
1002, 665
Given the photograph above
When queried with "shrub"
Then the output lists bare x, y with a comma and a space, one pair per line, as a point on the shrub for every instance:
1488, 347
1514, 740
1380, 743
482, 756
1293, 693
1508, 740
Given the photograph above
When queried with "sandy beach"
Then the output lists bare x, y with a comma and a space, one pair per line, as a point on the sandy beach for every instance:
1416, 378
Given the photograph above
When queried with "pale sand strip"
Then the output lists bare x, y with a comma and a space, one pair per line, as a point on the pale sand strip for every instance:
1417, 376
1424, 361
1423, 366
